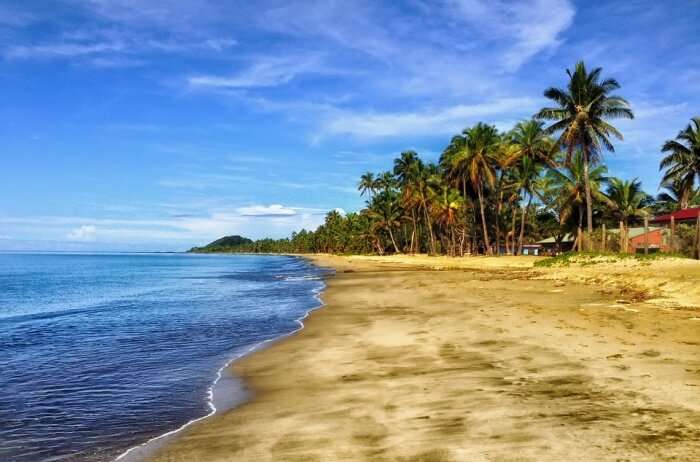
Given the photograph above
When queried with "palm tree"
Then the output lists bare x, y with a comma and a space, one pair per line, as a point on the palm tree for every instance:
569, 187
386, 181
446, 205
428, 178
525, 175
407, 169
682, 164
386, 214
676, 197
473, 154
627, 200
367, 184
530, 139
584, 107
507, 154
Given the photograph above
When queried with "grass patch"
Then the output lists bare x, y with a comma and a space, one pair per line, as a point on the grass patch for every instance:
595, 258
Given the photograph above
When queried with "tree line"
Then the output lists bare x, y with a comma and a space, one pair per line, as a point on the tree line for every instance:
492, 192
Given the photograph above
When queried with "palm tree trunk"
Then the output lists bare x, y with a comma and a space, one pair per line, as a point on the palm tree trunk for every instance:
483, 220
589, 200
522, 226
512, 232
578, 239
413, 233
623, 249
393, 241
429, 225
498, 224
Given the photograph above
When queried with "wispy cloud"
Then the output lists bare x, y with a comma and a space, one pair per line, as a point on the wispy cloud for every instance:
265, 72
274, 210
530, 26
253, 220
442, 121
110, 48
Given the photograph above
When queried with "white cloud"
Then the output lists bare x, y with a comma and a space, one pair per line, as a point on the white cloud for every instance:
118, 44
86, 233
532, 25
274, 210
264, 72
62, 50
441, 121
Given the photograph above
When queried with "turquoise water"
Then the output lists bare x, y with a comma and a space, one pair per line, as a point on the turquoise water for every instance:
100, 353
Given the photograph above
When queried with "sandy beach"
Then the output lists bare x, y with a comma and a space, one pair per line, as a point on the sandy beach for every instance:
423, 359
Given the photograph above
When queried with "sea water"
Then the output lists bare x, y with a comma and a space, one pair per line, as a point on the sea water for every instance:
100, 353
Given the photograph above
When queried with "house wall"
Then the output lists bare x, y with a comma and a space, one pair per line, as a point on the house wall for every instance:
656, 240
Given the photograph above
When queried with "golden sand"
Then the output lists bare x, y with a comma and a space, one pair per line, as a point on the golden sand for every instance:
424, 359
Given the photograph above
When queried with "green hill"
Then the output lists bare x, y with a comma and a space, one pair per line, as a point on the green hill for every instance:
225, 244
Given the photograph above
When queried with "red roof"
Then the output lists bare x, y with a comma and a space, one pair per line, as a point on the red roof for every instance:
687, 214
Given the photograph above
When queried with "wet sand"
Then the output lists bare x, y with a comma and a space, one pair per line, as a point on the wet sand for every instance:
407, 363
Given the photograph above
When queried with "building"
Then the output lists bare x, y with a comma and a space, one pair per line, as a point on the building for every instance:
532, 249
551, 246
680, 216
656, 238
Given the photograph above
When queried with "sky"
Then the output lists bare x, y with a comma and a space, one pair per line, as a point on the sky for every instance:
159, 125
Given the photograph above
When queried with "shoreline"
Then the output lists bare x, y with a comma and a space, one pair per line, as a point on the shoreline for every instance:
147, 449
292, 390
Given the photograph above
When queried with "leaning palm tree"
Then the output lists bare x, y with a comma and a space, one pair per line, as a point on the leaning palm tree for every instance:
682, 164
581, 119
472, 153
627, 200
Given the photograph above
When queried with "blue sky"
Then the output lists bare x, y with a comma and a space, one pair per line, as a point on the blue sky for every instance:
131, 125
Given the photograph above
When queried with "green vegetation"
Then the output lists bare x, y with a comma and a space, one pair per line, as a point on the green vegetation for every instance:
225, 244
594, 258
492, 192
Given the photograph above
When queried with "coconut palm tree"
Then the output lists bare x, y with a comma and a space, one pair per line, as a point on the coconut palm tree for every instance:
472, 154
367, 184
386, 215
525, 176
676, 197
446, 205
530, 139
682, 164
428, 179
407, 170
386, 181
581, 119
627, 200
569, 187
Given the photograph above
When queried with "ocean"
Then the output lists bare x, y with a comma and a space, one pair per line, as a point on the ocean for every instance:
100, 353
